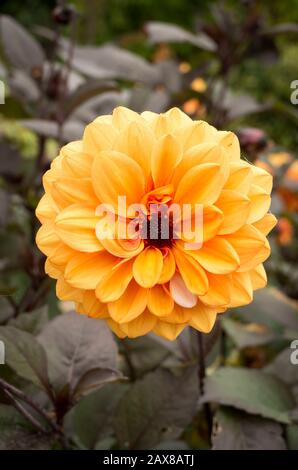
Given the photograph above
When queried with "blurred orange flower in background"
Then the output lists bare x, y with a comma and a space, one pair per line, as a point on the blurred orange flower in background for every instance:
144, 284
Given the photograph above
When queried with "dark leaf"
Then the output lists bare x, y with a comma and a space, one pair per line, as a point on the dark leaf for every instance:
32, 322
25, 356
271, 305
247, 334
292, 436
250, 390
84, 92
236, 430
20, 47
10, 160
156, 408
283, 368
166, 32
90, 421
76, 345
71, 130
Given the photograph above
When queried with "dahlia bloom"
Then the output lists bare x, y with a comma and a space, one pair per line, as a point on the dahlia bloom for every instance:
149, 280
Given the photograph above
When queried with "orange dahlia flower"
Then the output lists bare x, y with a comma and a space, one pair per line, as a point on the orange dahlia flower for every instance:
149, 280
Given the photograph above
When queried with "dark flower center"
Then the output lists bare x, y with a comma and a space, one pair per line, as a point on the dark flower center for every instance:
157, 229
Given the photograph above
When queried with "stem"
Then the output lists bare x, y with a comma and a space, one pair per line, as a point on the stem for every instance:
223, 346
12, 391
201, 377
24, 412
129, 363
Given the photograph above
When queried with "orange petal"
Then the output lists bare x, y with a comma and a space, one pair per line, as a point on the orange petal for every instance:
121, 116
168, 331
179, 315
166, 155
266, 223
202, 153
219, 293
47, 238
140, 326
76, 227
159, 302
75, 162
136, 141
203, 318
99, 135
91, 306
147, 267
180, 292
115, 282
65, 291
46, 210
115, 174
230, 142
67, 190
86, 270
247, 242
240, 177
130, 305
192, 273
217, 256
259, 203
235, 208
241, 289
201, 184
116, 328
258, 277
262, 178
168, 268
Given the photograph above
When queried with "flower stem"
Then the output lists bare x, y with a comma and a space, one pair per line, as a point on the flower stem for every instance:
201, 378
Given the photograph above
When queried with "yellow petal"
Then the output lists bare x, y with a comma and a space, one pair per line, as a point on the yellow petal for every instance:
235, 208
180, 293
212, 220
258, 277
147, 267
168, 268
140, 326
203, 318
168, 331
166, 155
130, 305
217, 256
160, 303
115, 282
52, 269
76, 226
201, 184
266, 223
61, 254
192, 273
115, 174
86, 270
259, 203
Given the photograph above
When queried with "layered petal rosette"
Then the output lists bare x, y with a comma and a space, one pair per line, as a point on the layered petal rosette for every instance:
119, 250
